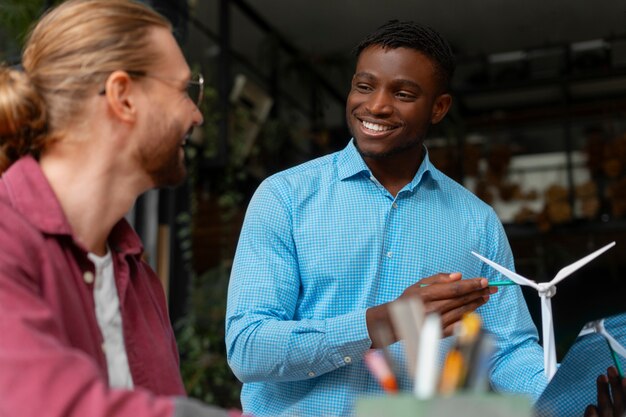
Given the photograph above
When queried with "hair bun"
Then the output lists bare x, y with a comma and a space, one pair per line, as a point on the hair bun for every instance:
23, 119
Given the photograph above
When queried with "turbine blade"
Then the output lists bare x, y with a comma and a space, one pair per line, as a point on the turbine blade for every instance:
570, 269
507, 273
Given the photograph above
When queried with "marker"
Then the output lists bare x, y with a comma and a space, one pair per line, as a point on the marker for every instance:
425, 381
378, 366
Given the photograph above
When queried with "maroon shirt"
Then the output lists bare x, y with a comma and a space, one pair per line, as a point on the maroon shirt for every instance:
51, 358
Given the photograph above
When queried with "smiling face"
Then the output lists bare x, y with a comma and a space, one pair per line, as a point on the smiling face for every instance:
172, 114
394, 98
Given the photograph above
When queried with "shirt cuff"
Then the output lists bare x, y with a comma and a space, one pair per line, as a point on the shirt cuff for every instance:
347, 338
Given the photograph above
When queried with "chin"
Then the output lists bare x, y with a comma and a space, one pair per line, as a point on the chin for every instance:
373, 152
169, 177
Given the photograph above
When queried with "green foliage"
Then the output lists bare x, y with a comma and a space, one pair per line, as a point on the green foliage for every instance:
200, 338
17, 16
200, 334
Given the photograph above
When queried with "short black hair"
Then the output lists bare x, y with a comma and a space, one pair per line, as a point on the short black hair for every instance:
397, 34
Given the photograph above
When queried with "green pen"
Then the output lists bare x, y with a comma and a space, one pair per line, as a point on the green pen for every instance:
501, 283
491, 284
616, 361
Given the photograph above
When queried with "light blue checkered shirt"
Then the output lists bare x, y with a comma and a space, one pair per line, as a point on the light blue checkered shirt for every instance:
324, 241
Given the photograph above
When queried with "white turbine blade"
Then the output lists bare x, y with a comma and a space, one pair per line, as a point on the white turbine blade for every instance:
549, 349
570, 269
518, 279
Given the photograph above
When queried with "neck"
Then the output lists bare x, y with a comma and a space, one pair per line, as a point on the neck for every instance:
396, 171
93, 192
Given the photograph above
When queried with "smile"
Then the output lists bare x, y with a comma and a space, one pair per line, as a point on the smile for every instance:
376, 127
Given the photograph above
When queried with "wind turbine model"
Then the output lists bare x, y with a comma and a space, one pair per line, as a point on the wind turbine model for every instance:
547, 290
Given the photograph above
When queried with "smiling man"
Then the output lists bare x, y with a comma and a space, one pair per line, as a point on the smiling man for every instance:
98, 115
328, 245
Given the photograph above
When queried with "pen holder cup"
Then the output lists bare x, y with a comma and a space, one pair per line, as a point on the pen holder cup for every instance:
466, 405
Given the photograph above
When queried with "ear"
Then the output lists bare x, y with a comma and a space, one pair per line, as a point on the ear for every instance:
440, 108
120, 97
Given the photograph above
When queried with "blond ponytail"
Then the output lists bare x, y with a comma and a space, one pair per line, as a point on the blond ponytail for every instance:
67, 57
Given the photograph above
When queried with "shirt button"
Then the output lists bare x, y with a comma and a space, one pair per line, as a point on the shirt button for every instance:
311, 374
88, 277
395, 205
347, 359
389, 254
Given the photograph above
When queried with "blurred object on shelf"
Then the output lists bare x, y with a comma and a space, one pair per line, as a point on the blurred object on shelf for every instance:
498, 162
483, 191
614, 157
531, 195
525, 215
616, 194
594, 148
612, 167
589, 203
557, 207
509, 191
471, 159
555, 193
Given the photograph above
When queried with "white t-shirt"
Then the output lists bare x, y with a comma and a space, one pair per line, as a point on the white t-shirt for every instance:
110, 321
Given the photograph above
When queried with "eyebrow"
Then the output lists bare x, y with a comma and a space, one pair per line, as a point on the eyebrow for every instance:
401, 82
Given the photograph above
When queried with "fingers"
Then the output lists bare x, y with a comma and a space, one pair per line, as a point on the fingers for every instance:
591, 411
451, 296
617, 391
450, 318
609, 385
445, 286
441, 278
470, 300
604, 398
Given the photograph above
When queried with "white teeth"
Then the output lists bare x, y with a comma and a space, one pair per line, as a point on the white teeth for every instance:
376, 127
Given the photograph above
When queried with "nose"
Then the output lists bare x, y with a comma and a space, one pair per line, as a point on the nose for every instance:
379, 103
198, 118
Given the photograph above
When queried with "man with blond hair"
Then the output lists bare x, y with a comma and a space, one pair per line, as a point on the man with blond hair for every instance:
98, 115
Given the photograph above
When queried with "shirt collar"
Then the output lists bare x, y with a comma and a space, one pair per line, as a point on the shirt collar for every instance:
350, 163
30, 194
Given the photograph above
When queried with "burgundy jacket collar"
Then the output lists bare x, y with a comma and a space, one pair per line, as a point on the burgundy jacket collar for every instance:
25, 187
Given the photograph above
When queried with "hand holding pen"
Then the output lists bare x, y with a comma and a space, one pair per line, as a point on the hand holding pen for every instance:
446, 294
